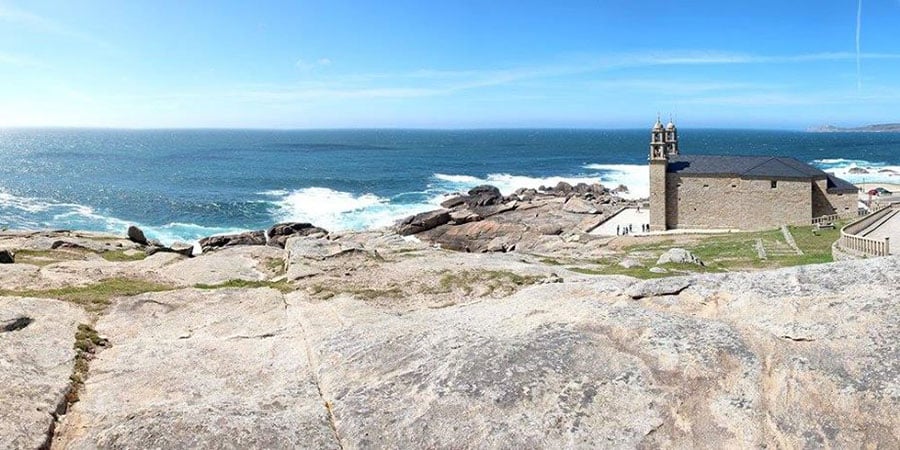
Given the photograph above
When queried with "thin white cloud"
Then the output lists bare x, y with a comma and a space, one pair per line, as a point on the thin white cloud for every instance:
305, 65
457, 80
433, 83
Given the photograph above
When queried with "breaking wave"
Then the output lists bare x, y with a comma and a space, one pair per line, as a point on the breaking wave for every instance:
39, 214
860, 171
338, 210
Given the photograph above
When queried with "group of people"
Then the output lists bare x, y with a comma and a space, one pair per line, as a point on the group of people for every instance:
628, 229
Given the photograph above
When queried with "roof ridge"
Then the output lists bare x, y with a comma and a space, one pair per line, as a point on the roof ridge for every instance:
768, 158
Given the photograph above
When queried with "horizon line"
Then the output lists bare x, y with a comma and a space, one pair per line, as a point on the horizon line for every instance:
399, 128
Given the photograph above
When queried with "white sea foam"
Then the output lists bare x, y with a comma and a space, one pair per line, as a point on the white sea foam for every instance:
36, 213
635, 177
337, 210
876, 172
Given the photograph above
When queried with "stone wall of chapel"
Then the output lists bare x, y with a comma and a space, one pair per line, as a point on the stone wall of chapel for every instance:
698, 202
845, 204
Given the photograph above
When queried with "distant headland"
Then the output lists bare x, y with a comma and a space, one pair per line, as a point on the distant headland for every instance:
877, 128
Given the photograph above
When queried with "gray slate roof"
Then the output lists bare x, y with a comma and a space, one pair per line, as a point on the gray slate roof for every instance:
836, 184
768, 167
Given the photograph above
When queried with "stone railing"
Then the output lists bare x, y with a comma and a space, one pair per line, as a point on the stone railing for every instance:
851, 245
831, 218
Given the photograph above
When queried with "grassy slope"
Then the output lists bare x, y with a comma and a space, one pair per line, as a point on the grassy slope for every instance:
725, 252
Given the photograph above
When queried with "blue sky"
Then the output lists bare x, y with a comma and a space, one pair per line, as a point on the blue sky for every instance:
456, 64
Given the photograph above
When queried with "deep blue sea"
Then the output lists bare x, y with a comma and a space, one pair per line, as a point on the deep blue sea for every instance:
186, 184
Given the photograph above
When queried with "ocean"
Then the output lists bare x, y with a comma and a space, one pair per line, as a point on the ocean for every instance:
180, 185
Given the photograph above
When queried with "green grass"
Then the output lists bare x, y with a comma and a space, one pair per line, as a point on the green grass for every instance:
276, 265
325, 292
93, 297
493, 280
611, 267
47, 257
737, 251
551, 261
371, 294
123, 255
282, 286
86, 343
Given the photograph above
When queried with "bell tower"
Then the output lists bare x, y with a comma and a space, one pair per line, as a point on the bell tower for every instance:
659, 160
671, 139
658, 141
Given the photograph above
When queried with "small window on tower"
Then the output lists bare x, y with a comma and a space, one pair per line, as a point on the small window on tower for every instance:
774, 184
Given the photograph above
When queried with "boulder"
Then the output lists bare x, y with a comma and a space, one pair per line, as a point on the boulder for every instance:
582, 188
475, 236
630, 263
453, 202
6, 256
621, 189
230, 240
563, 188
526, 195
136, 235
579, 205
280, 233
679, 256
857, 171
492, 210
549, 229
501, 244
423, 222
484, 196
464, 215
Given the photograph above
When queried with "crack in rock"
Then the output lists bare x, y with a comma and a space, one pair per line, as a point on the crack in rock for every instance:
17, 324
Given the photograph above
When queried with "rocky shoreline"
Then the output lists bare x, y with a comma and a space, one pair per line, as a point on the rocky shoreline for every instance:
452, 329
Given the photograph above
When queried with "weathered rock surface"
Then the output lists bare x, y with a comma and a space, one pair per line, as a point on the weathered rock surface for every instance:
579, 206
679, 256
394, 343
230, 240
36, 360
280, 233
248, 263
423, 222
70, 273
483, 220
800, 357
201, 369
655, 288
51, 240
